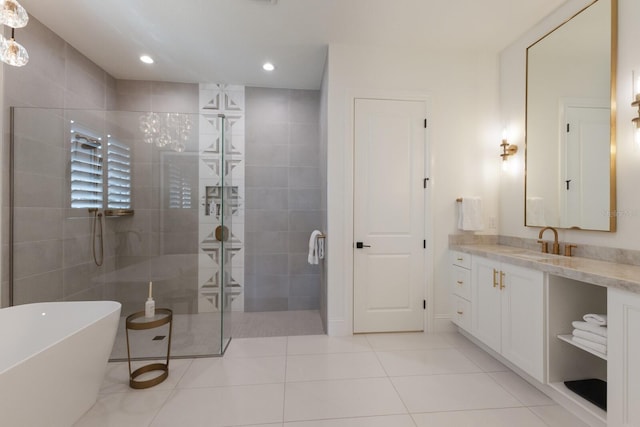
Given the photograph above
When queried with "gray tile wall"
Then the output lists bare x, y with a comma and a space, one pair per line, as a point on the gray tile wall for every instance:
57, 76
53, 244
157, 243
283, 198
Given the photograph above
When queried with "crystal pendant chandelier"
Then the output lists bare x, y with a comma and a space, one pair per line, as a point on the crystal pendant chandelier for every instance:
12, 52
166, 130
13, 15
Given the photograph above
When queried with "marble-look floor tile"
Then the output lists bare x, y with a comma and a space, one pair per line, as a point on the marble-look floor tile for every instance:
124, 409
256, 347
436, 393
557, 416
484, 360
426, 362
407, 341
382, 421
521, 389
316, 400
222, 406
521, 417
219, 372
333, 366
318, 344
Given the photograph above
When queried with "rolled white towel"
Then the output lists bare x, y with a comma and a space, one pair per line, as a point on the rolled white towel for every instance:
590, 327
590, 344
590, 336
596, 319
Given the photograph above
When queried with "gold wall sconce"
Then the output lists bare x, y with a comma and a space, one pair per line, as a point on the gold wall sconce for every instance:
507, 149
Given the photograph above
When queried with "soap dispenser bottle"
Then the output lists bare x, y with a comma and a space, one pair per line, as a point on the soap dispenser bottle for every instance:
150, 305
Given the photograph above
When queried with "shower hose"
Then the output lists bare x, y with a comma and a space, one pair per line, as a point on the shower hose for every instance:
97, 219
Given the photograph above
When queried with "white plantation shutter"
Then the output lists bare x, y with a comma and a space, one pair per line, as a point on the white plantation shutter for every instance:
86, 171
118, 175
89, 172
179, 189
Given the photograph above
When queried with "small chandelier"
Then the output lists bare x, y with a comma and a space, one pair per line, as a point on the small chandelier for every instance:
166, 130
13, 15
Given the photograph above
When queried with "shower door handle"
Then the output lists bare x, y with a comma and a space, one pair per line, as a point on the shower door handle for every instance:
360, 245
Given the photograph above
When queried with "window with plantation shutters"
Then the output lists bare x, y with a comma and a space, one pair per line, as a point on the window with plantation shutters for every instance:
100, 174
118, 175
86, 171
179, 188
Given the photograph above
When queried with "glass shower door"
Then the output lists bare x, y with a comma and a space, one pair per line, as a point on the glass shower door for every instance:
104, 202
229, 193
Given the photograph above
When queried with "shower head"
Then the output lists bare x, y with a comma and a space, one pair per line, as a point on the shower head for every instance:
87, 143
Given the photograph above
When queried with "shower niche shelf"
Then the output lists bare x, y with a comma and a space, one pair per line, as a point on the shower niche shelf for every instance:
118, 212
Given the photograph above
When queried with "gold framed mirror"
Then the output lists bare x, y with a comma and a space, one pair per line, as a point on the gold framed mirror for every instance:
570, 173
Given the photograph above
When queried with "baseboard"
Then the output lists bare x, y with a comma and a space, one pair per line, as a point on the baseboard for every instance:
443, 323
338, 328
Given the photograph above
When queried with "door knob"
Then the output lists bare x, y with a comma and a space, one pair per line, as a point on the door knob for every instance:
360, 245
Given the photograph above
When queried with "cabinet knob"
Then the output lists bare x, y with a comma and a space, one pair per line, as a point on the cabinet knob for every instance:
460, 312
495, 280
502, 285
460, 282
459, 259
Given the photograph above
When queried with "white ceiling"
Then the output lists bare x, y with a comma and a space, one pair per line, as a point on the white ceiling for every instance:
226, 41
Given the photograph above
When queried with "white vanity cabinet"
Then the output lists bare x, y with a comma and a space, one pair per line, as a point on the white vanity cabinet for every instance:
508, 312
623, 385
460, 289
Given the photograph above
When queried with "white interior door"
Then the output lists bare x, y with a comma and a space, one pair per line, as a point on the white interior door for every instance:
389, 203
586, 168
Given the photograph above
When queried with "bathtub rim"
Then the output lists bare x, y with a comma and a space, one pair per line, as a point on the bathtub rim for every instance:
116, 307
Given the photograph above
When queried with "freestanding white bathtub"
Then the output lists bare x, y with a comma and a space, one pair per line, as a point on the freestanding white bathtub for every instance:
53, 358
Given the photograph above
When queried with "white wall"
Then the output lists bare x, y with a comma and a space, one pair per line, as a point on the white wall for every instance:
464, 138
512, 100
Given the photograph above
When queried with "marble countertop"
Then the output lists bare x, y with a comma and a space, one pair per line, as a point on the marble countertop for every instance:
602, 273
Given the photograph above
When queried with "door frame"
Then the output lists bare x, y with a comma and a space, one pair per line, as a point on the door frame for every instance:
348, 203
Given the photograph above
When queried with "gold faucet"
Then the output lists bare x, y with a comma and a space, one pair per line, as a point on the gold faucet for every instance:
556, 245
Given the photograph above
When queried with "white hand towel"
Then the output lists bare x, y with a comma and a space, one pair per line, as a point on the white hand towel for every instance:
596, 319
535, 211
312, 258
590, 327
589, 336
592, 345
470, 214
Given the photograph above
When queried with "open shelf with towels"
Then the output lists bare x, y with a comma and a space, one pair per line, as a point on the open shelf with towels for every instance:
569, 339
569, 300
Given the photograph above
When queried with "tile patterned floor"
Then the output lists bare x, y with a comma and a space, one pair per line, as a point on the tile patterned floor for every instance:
381, 380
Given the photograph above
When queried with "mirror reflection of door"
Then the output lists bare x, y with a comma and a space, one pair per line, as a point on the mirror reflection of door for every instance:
585, 161
572, 66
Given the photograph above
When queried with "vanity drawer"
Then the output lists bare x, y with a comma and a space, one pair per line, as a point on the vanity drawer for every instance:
461, 259
461, 282
461, 312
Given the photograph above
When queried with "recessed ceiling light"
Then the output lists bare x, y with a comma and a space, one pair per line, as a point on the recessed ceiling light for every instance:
268, 66
146, 59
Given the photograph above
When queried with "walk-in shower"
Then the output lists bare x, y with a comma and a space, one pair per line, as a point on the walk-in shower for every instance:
104, 202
